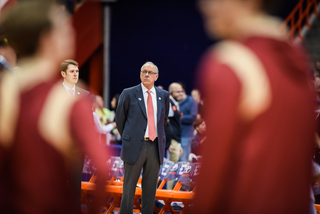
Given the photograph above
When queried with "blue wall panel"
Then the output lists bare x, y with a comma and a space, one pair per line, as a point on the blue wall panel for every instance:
168, 32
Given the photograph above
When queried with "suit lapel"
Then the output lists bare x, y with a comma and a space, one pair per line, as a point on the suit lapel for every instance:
77, 91
139, 96
159, 106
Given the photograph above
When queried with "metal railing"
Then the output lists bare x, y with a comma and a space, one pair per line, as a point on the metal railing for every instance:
299, 17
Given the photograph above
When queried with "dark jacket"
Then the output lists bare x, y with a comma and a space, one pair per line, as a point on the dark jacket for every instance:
196, 144
131, 119
173, 129
189, 110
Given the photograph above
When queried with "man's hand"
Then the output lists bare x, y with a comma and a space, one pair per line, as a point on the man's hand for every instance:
171, 150
115, 132
191, 157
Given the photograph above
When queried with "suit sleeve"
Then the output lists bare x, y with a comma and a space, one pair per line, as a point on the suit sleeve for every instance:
122, 111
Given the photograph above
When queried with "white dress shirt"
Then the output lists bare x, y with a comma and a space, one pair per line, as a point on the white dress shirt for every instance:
154, 102
68, 89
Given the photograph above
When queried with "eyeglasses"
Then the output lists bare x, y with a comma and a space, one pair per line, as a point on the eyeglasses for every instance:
148, 72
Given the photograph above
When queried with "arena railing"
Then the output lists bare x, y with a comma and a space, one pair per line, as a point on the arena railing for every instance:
299, 17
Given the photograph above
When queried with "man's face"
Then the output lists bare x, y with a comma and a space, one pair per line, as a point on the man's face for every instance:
71, 76
113, 103
177, 92
202, 128
148, 75
196, 95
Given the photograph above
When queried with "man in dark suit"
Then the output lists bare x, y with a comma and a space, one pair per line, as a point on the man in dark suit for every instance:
70, 72
141, 118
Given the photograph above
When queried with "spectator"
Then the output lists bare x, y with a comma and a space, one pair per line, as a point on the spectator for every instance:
114, 105
195, 93
189, 111
200, 126
115, 137
101, 129
102, 112
173, 129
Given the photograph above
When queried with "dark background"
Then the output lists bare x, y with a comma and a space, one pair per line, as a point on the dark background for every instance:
169, 33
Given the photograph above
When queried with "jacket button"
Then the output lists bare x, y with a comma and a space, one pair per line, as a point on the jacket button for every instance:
141, 140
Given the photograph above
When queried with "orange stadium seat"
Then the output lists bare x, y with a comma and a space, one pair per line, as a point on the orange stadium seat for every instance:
114, 190
317, 208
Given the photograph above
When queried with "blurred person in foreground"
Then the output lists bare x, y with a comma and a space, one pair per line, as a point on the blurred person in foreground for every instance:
259, 114
44, 133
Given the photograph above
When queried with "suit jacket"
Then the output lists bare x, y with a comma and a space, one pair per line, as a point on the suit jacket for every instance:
131, 119
80, 92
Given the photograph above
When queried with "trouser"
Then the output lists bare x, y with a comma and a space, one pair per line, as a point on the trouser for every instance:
174, 156
148, 160
186, 146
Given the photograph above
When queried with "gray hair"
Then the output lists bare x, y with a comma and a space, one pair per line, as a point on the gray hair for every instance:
151, 63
